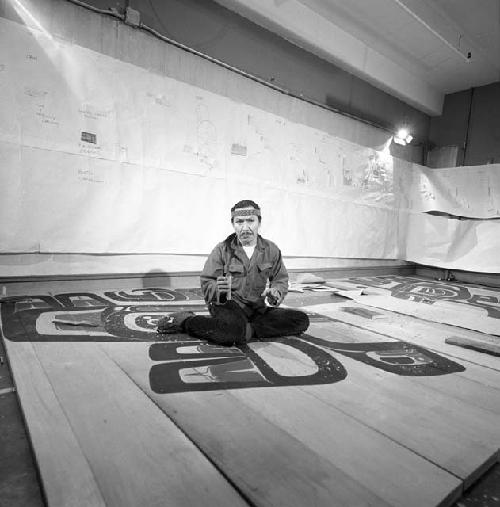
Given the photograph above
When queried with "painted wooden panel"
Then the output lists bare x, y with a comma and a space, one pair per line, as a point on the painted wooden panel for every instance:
294, 430
134, 454
468, 306
366, 408
481, 367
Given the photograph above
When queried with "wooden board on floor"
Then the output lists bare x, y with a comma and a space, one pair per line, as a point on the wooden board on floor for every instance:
431, 335
66, 476
128, 453
296, 421
437, 416
484, 345
293, 430
475, 385
462, 305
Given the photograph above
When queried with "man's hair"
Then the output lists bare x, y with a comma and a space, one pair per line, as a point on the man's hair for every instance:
246, 203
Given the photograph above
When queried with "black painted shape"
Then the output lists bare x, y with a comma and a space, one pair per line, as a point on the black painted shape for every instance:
173, 349
145, 317
13, 328
380, 281
15, 304
16, 320
154, 294
430, 291
482, 301
235, 368
166, 378
28, 322
95, 301
330, 370
20, 324
401, 358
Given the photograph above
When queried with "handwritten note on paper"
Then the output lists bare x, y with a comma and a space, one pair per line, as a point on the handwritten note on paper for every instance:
89, 176
91, 113
89, 149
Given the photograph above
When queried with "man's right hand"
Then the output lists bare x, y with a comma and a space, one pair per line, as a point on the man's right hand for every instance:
224, 285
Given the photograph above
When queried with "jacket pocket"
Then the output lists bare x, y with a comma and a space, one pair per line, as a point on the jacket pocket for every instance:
264, 267
236, 269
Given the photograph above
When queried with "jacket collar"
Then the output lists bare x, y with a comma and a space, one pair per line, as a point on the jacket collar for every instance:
233, 241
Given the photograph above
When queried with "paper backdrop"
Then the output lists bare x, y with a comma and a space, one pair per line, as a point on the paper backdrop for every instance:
101, 156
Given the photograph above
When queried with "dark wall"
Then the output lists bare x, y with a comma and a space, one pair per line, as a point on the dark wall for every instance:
218, 32
483, 145
471, 121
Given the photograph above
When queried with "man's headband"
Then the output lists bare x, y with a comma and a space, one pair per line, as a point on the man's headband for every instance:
245, 212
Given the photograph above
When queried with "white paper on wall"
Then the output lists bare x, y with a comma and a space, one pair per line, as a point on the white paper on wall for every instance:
102, 156
472, 191
470, 245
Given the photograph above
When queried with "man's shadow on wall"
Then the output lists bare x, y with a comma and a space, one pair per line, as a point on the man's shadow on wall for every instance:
156, 278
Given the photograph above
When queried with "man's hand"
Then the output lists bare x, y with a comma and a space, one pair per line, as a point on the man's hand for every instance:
273, 296
223, 286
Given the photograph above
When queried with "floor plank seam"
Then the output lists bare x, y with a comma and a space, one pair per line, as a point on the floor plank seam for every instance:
321, 400
195, 444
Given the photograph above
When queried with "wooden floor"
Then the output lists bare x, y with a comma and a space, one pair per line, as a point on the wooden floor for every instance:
371, 406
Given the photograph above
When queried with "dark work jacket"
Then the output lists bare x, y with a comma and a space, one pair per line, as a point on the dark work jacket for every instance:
249, 276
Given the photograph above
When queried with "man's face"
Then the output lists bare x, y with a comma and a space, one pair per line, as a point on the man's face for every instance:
246, 228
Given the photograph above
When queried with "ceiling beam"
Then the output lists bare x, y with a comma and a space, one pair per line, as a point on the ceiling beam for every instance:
305, 28
438, 25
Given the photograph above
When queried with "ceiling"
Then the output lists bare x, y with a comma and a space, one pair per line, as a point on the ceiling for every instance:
417, 50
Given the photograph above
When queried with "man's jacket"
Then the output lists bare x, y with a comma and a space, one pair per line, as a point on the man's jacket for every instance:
249, 276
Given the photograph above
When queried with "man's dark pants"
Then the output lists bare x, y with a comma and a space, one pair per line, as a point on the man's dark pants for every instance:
228, 323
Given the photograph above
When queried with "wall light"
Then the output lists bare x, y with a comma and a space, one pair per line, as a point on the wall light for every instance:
403, 137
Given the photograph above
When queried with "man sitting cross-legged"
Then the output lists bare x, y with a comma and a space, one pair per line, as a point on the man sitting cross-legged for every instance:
235, 286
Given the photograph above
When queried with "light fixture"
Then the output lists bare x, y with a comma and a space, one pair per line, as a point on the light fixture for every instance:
403, 137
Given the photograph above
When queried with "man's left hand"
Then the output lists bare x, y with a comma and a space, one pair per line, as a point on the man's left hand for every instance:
274, 297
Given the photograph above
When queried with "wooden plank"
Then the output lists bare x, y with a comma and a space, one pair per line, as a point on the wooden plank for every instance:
447, 313
469, 307
469, 385
295, 425
255, 435
454, 435
380, 462
138, 456
426, 334
268, 464
444, 405
65, 474
484, 346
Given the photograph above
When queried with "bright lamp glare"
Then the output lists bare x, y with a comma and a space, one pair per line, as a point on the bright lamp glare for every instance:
402, 133
28, 17
403, 137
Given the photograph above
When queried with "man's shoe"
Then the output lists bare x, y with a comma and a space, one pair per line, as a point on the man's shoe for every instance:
174, 323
